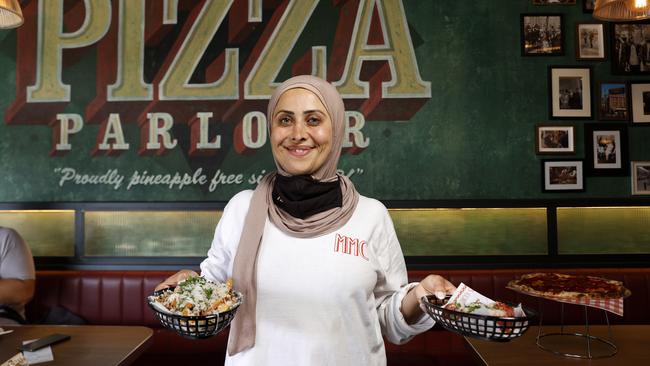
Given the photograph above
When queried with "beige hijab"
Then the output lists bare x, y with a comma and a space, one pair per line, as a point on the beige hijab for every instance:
242, 330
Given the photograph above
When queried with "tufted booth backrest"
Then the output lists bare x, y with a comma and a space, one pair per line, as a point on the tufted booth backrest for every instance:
118, 297
99, 297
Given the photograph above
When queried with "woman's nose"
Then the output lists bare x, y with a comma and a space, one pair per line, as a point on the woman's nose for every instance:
298, 132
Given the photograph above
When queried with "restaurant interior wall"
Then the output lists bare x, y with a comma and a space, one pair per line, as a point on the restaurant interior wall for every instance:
460, 175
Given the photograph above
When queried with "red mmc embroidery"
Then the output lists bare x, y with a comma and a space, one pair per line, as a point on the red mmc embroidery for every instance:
347, 245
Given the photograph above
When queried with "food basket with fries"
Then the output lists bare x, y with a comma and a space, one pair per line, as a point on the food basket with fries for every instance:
491, 328
204, 325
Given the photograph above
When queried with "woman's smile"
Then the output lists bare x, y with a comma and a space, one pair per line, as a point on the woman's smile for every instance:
299, 150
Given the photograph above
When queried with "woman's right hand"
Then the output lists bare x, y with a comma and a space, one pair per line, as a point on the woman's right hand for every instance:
174, 279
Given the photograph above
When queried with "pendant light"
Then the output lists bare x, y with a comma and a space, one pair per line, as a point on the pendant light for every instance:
10, 14
621, 10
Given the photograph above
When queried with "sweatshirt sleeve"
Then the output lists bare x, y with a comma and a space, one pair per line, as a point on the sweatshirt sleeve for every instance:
392, 286
221, 255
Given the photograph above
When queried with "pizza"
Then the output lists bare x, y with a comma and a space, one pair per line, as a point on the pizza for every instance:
570, 287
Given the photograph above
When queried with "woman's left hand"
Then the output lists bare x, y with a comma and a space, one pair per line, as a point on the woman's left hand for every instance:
430, 285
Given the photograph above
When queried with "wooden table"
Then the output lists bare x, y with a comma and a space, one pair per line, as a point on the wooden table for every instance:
88, 345
632, 341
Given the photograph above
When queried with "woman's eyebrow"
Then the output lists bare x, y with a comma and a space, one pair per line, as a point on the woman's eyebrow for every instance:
312, 111
284, 111
304, 112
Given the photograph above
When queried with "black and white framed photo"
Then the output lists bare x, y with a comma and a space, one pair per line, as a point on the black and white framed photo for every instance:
542, 35
554, 139
590, 41
640, 102
612, 101
554, 2
640, 177
569, 92
588, 6
606, 149
562, 176
630, 48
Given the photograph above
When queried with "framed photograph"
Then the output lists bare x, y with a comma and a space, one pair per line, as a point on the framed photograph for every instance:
612, 101
630, 48
640, 177
640, 102
554, 2
606, 149
542, 35
569, 92
554, 139
588, 6
590, 41
562, 176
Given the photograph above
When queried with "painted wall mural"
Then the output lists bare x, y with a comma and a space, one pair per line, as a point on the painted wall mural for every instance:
164, 100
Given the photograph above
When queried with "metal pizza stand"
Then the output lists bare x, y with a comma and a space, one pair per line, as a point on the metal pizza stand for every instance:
560, 343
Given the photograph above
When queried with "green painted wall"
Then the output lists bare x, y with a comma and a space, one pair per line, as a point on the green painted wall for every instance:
474, 139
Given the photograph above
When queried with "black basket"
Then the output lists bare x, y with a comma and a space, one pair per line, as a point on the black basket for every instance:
195, 327
491, 328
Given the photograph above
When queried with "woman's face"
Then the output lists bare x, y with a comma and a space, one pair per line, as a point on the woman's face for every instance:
301, 132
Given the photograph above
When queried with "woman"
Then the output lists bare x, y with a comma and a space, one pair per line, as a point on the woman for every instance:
320, 266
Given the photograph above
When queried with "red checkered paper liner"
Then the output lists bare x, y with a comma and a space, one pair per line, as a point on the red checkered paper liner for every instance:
613, 305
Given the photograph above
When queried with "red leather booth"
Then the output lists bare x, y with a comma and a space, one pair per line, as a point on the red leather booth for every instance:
118, 298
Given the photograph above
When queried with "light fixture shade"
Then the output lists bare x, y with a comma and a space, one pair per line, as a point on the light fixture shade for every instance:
10, 14
621, 10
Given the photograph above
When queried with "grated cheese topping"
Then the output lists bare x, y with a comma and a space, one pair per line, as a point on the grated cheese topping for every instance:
196, 296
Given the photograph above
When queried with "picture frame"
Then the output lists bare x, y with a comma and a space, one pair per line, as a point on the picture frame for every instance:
588, 6
613, 101
630, 48
606, 148
569, 92
554, 139
542, 34
554, 2
640, 177
640, 102
590, 41
562, 176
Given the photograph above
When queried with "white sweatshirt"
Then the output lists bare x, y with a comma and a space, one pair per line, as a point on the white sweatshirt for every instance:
325, 300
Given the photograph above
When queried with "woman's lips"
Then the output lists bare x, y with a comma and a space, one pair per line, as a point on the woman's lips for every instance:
298, 150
